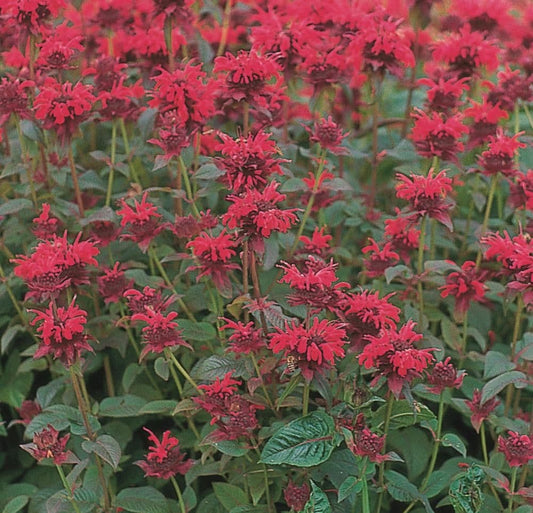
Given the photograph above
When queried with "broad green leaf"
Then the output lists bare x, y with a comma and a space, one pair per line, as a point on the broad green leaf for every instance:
497, 384
450, 333
249, 508
217, 367
304, 442
400, 488
143, 499
106, 447
16, 504
318, 501
161, 406
230, 496
415, 447
130, 374
452, 440
208, 171
15, 205
84, 495
436, 483
121, 406
402, 415
496, 363
351, 485
341, 464
9, 335
395, 271
161, 368
230, 447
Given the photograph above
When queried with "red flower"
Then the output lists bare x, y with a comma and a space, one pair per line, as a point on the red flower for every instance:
500, 155
62, 107
257, 215
245, 338
59, 49
149, 298
480, 411
141, 221
365, 313
296, 496
173, 137
13, 98
521, 193
518, 449
444, 375
465, 285
512, 86
214, 254
164, 459
107, 72
437, 135
427, 195
329, 135
443, 95
318, 345
394, 356
404, 237
486, 118
368, 445
120, 101
61, 332
33, 14
47, 444
221, 388
104, 232
45, 226
320, 190
28, 409
113, 284
160, 332
380, 259
248, 161
466, 51
54, 265
188, 227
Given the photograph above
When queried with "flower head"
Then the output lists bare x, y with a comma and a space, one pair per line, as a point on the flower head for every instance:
485, 121
443, 95
113, 284
518, 449
296, 496
47, 444
44, 226
480, 411
164, 459
379, 259
149, 298
499, 157
245, 339
316, 346
62, 332
13, 98
444, 375
329, 135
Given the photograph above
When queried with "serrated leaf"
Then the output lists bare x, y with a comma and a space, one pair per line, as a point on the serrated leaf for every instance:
400, 488
106, 447
318, 501
402, 415
162, 368
130, 374
15, 205
230, 447
143, 499
230, 496
197, 331
293, 185
85, 495
395, 271
304, 442
453, 441
121, 406
8, 336
436, 483
440, 266
208, 171
350, 485
16, 504
161, 406
217, 367
496, 363
497, 384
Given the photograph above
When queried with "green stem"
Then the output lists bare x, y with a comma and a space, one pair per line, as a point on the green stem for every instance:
436, 446
68, 489
516, 333
528, 114
188, 188
183, 509
365, 497
388, 413
125, 140
169, 354
263, 387
74, 175
245, 266
165, 277
112, 166
305, 400
175, 377
488, 206
26, 160
512, 488
267, 490
225, 28
420, 267
168, 42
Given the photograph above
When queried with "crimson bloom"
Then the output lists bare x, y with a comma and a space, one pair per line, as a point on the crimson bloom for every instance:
62, 107
62, 332
465, 285
521, 192
315, 346
147, 299
394, 356
245, 339
214, 255
444, 375
329, 135
14, 98
161, 331
296, 496
164, 459
403, 236
317, 244
485, 121
438, 136
500, 154
113, 284
480, 411
427, 195
518, 449
443, 95
142, 222
379, 259
47, 444
257, 215
44, 226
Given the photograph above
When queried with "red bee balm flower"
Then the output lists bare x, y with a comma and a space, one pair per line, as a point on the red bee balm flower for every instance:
112, 284
427, 195
500, 155
47, 444
394, 356
444, 375
480, 412
61, 332
296, 496
62, 107
329, 135
518, 449
245, 339
142, 222
164, 459
319, 344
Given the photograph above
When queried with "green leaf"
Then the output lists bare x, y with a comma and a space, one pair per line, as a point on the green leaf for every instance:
395, 271
415, 447
450, 333
143, 499
16, 504
318, 501
121, 406
249, 508
106, 447
496, 363
400, 488
230, 496
130, 374
230, 447
162, 406
350, 485
208, 171
31, 131
197, 331
402, 415
497, 384
436, 483
15, 205
217, 367
451, 440
304, 442
440, 266
9, 335
162, 368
